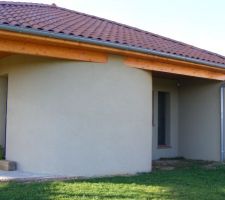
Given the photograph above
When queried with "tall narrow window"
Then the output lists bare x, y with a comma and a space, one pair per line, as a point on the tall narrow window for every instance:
163, 118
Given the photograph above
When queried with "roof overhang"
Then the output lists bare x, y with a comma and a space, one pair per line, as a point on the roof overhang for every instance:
19, 42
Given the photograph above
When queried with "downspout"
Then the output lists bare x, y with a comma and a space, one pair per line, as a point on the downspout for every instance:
222, 122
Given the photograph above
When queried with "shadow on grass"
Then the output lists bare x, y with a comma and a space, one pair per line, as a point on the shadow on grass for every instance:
193, 183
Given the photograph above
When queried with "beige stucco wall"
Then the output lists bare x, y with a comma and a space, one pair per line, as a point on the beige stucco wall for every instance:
199, 119
165, 85
78, 118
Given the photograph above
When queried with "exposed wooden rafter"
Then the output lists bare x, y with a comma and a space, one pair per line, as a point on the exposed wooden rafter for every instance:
175, 69
12, 42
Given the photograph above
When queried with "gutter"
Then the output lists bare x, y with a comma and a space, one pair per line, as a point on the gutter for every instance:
222, 87
106, 44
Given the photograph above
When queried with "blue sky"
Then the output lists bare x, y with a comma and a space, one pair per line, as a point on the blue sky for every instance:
197, 22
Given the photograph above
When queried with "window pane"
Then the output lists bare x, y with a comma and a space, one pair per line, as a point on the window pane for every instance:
163, 118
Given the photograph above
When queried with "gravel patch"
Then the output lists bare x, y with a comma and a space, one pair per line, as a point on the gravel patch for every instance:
170, 164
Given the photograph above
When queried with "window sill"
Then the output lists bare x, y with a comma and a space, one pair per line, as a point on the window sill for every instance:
164, 147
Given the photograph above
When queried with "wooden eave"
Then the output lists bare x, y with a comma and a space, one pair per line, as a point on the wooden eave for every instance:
20, 43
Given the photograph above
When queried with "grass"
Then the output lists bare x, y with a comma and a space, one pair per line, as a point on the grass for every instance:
193, 183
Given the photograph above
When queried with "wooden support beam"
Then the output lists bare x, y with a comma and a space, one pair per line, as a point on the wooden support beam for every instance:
14, 42
50, 50
175, 69
91, 47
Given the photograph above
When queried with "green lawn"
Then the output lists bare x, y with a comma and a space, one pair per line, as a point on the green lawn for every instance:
191, 183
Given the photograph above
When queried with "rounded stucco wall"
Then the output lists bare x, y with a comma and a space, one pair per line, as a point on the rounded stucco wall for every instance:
78, 118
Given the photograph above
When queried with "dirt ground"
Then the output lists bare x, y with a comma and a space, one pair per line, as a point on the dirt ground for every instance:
176, 163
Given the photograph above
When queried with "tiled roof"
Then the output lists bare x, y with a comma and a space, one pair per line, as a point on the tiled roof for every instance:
53, 19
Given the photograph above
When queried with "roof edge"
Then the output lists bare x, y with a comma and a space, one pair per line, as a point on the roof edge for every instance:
107, 44
23, 3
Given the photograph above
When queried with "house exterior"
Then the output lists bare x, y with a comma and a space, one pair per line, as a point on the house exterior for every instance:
85, 96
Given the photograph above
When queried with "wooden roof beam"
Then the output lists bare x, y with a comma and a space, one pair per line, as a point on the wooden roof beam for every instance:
175, 69
12, 42
8, 45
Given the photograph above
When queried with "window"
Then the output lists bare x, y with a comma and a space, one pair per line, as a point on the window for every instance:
163, 118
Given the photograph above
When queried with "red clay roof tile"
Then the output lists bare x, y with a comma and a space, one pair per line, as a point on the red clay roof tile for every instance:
54, 19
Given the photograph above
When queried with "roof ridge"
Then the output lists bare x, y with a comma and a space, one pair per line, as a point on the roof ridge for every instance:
23, 3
